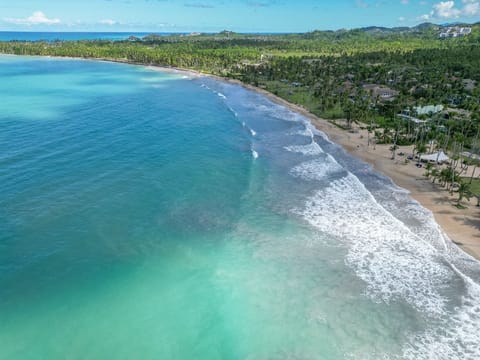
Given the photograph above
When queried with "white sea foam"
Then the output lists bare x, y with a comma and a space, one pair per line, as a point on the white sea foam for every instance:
459, 338
154, 79
411, 210
221, 95
321, 134
310, 130
311, 149
278, 111
250, 130
397, 264
234, 113
307, 131
254, 154
304, 132
317, 169
393, 261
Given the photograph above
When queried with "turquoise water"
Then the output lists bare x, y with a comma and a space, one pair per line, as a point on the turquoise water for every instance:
69, 36
160, 215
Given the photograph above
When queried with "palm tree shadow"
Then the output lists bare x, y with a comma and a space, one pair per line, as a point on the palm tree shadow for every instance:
473, 223
442, 200
444, 212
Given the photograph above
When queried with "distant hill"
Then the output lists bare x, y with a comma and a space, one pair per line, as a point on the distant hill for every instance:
420, 27
425, 30
403, 29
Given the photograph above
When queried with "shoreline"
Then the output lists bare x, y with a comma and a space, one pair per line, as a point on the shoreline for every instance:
460, 225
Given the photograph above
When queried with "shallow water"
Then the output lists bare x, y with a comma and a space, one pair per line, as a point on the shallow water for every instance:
158, 215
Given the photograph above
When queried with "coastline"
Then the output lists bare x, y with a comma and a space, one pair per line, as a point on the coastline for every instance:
461, 225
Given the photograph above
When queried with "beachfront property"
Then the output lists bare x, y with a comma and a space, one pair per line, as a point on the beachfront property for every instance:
469, 155
435, 158
412, 119
380, 91
421, 111
455, 31
428, 110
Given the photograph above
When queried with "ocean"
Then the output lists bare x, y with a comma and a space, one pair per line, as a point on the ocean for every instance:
147, 214
70, 36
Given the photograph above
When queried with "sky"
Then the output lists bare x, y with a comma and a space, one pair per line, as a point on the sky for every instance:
235, 15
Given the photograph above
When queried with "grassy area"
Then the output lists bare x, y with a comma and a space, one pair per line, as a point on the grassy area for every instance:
300, 95
474, 186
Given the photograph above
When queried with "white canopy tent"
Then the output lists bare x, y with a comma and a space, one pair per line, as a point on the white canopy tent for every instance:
436, 157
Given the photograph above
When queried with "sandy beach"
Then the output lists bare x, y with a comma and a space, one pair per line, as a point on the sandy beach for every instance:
461, 225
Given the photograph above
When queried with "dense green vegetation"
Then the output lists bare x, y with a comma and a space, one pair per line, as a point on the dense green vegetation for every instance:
368, 76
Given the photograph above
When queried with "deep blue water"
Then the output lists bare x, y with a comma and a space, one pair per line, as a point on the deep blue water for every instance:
148, 214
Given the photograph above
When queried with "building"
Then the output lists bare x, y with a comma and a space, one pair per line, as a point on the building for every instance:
428, 110
414, 120
383, 92
455, 31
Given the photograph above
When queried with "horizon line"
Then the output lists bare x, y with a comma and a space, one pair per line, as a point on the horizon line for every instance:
241, 32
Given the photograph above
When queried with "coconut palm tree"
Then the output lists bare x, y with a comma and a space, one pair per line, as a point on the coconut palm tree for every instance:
434, 174
463, 192
428, 172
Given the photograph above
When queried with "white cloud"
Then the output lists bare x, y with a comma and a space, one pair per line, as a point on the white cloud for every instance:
405, 2
108, 22
37, 18
426, 17
449, 10
402, 19
361, 4
446, 10
471, 8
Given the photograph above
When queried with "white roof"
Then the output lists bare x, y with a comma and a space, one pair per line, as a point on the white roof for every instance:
438, 157
412, 119
425, 110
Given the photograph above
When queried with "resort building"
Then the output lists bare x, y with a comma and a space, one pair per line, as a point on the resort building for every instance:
455, 31
383, 92
428, 110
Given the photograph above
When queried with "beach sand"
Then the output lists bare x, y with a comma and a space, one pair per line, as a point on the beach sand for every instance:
461, 225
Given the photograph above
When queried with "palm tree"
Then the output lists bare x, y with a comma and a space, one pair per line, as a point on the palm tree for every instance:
421, 148
393, 148
434, 174
447, 175
463, 192
473, 152
428, 172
